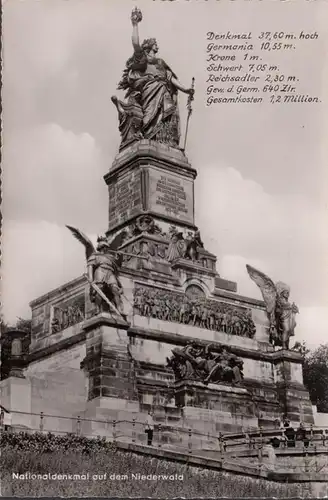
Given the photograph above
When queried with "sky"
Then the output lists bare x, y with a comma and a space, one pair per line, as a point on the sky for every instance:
261, 190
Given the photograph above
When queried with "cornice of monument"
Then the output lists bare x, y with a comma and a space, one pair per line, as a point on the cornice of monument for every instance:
287, 355
146, 276
160, 155
241, 298
162, 217
181, 340
47, 350
194, 267
69, 286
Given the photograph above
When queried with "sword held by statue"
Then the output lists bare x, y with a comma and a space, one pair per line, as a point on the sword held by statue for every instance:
189, 108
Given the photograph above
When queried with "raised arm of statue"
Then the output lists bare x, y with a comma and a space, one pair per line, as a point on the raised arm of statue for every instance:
135, 37
181, 87
136, 17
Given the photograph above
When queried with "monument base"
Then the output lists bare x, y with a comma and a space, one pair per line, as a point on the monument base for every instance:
16, 398
294, 397
111, 417
215, 408
108, 364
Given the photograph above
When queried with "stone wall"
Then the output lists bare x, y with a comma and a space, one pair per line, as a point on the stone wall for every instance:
59, 361
156, 352
58, 315
141, 369
60, 394
320, 419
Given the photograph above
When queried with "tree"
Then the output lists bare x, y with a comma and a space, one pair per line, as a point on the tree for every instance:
301, 347
315, 373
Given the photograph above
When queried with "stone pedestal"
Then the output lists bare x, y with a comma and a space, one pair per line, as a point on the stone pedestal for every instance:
149, 178
16, 397
215, 408
112, 417
112, 391
294, 397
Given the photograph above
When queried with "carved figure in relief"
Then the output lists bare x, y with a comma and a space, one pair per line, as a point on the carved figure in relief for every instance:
63, 317
183, 362
206, 364
144, 253
199, 312
16, 347
151, 110
176, 247
280, 311
103, 266
55, 323
187, 248
193, 243
221, 369
146, 224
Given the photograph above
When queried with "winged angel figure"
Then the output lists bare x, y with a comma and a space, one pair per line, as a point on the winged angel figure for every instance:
103, 264
280, 311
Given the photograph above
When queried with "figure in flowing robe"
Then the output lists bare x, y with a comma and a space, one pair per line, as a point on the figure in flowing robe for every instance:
151, 110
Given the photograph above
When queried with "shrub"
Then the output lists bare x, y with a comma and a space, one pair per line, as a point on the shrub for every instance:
47, 442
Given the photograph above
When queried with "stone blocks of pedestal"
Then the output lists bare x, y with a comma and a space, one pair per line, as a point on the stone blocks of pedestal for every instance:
146, 253
214, 408
109, 367
148, 178
112, 417
201, 273
294, 398
16, 397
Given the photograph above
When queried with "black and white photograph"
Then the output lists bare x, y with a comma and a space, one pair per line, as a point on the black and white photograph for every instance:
164, 249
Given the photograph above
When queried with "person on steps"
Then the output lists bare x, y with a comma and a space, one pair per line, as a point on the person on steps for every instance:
150, 427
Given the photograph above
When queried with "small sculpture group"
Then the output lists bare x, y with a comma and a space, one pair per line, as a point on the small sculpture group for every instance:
281, 313
180, 247
201, 312
65, 317
207, 364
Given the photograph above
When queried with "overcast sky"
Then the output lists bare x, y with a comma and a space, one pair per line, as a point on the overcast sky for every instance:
261, 192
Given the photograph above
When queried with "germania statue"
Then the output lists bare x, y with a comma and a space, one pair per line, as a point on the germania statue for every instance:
151, 107
280, 311
103, 264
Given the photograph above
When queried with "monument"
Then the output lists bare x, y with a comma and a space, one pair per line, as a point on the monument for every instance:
152, 324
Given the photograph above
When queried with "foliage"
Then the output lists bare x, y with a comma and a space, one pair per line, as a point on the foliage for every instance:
24, 325
46, 453
47, 443
301, 347
315, 372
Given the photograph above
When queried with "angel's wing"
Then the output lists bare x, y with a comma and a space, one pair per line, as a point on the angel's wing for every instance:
266, 285
117, 240
82, 238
